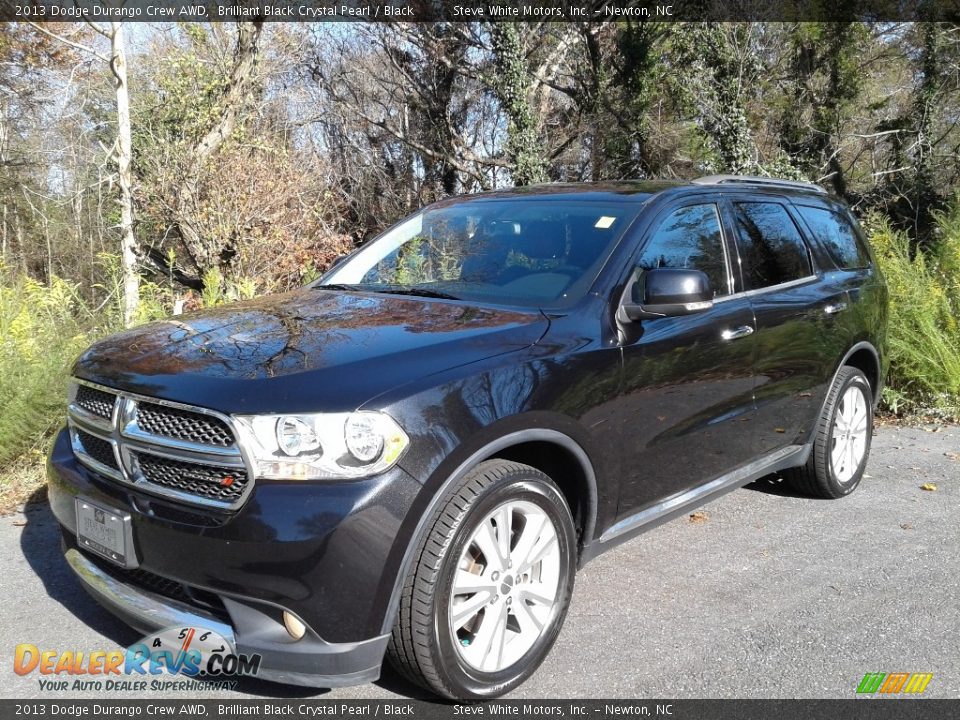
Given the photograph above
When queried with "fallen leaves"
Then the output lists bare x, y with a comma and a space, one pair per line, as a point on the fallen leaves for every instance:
929, 487
700, 516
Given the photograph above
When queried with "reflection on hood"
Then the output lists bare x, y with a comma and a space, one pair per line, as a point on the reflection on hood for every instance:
400, 338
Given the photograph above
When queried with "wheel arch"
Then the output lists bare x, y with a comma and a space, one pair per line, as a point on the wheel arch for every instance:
541, 448
864, 357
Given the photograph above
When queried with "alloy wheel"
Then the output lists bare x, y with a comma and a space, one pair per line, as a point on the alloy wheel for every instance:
849, 434
505, 586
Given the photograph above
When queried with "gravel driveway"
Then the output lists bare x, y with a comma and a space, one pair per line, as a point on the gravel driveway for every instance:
763, 594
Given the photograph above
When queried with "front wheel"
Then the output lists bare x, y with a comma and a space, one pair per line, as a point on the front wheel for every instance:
483, 605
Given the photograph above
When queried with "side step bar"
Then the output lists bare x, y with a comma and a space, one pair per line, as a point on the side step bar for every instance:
680, 503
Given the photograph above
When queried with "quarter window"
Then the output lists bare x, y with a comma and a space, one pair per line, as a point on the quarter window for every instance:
689, 238
836, 234
772, 251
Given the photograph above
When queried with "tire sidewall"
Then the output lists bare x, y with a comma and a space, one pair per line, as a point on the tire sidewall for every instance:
839, 488
463, 680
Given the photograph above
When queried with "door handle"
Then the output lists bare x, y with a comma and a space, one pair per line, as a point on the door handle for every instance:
739, 332
834, 308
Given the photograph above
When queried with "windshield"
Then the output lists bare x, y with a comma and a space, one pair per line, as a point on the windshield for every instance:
524, 252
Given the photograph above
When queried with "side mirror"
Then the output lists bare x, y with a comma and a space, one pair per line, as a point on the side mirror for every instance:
668, 292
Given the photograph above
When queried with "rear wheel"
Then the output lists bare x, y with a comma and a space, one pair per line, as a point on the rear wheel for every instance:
488, 595
841, 445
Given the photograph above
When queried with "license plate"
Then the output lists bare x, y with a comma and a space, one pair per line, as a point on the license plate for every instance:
106, 532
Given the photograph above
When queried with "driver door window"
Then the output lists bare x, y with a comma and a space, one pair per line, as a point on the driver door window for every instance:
690, 237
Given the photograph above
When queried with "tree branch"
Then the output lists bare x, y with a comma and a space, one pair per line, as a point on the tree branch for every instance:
71, 43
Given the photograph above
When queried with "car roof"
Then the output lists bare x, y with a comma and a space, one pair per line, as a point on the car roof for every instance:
640, 191
635, 190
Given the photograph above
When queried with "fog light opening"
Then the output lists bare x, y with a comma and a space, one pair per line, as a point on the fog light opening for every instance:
295, 628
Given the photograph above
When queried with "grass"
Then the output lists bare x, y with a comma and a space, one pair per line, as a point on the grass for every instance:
23, 481
43, 327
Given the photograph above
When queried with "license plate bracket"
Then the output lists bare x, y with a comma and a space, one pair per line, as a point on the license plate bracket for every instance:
105, 531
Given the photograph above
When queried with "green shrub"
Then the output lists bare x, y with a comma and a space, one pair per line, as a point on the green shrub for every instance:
156, 300
42, 329
924, 335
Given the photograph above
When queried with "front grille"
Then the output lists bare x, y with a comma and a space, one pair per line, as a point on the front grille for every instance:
206, 481
187, 454
183, 425
172, 589
157, 584
98, 449
94, 401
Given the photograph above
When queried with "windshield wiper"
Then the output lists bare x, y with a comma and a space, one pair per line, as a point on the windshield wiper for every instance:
337, 286
415, 291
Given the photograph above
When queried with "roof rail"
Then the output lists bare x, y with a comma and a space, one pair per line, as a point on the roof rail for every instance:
757, 180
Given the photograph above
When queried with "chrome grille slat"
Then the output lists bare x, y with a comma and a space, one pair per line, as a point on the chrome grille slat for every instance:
110, 471
180, 424
94, 401
196, 479
178, 451
98, 449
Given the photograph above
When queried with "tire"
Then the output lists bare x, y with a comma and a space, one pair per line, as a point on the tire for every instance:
507, 633
829, 472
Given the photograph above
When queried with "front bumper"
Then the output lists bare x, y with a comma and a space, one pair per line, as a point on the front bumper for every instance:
310, 661
328, 553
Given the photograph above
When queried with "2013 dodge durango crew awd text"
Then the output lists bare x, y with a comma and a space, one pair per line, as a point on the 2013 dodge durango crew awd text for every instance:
411, 457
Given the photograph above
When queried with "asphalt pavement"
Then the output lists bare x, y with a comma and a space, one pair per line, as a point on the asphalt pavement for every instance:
764, 594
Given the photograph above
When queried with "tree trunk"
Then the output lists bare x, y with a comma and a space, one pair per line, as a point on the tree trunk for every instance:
238, 85
129, 252
523, 147
926, 195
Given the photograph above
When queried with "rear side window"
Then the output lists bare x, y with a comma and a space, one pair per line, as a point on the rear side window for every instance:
772, 251
689, 238
837, 235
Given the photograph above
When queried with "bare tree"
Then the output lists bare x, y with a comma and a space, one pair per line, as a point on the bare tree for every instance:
121, 152
237, 88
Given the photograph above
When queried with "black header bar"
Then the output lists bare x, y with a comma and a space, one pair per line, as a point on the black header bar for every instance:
108, 708
478, 10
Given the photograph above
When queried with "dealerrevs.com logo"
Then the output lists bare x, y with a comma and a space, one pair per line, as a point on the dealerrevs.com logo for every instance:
191, 652
894, 683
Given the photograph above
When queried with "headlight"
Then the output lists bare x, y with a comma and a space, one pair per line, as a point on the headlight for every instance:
322, 446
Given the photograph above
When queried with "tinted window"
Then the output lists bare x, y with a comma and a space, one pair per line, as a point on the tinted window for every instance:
836, 234
530, 251
689, 238
771, 248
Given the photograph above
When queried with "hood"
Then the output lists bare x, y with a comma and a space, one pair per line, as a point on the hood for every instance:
308, 350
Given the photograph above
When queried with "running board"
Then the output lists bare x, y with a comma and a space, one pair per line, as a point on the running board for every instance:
647, 519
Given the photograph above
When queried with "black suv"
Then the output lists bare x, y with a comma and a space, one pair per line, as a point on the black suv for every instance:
412, 456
